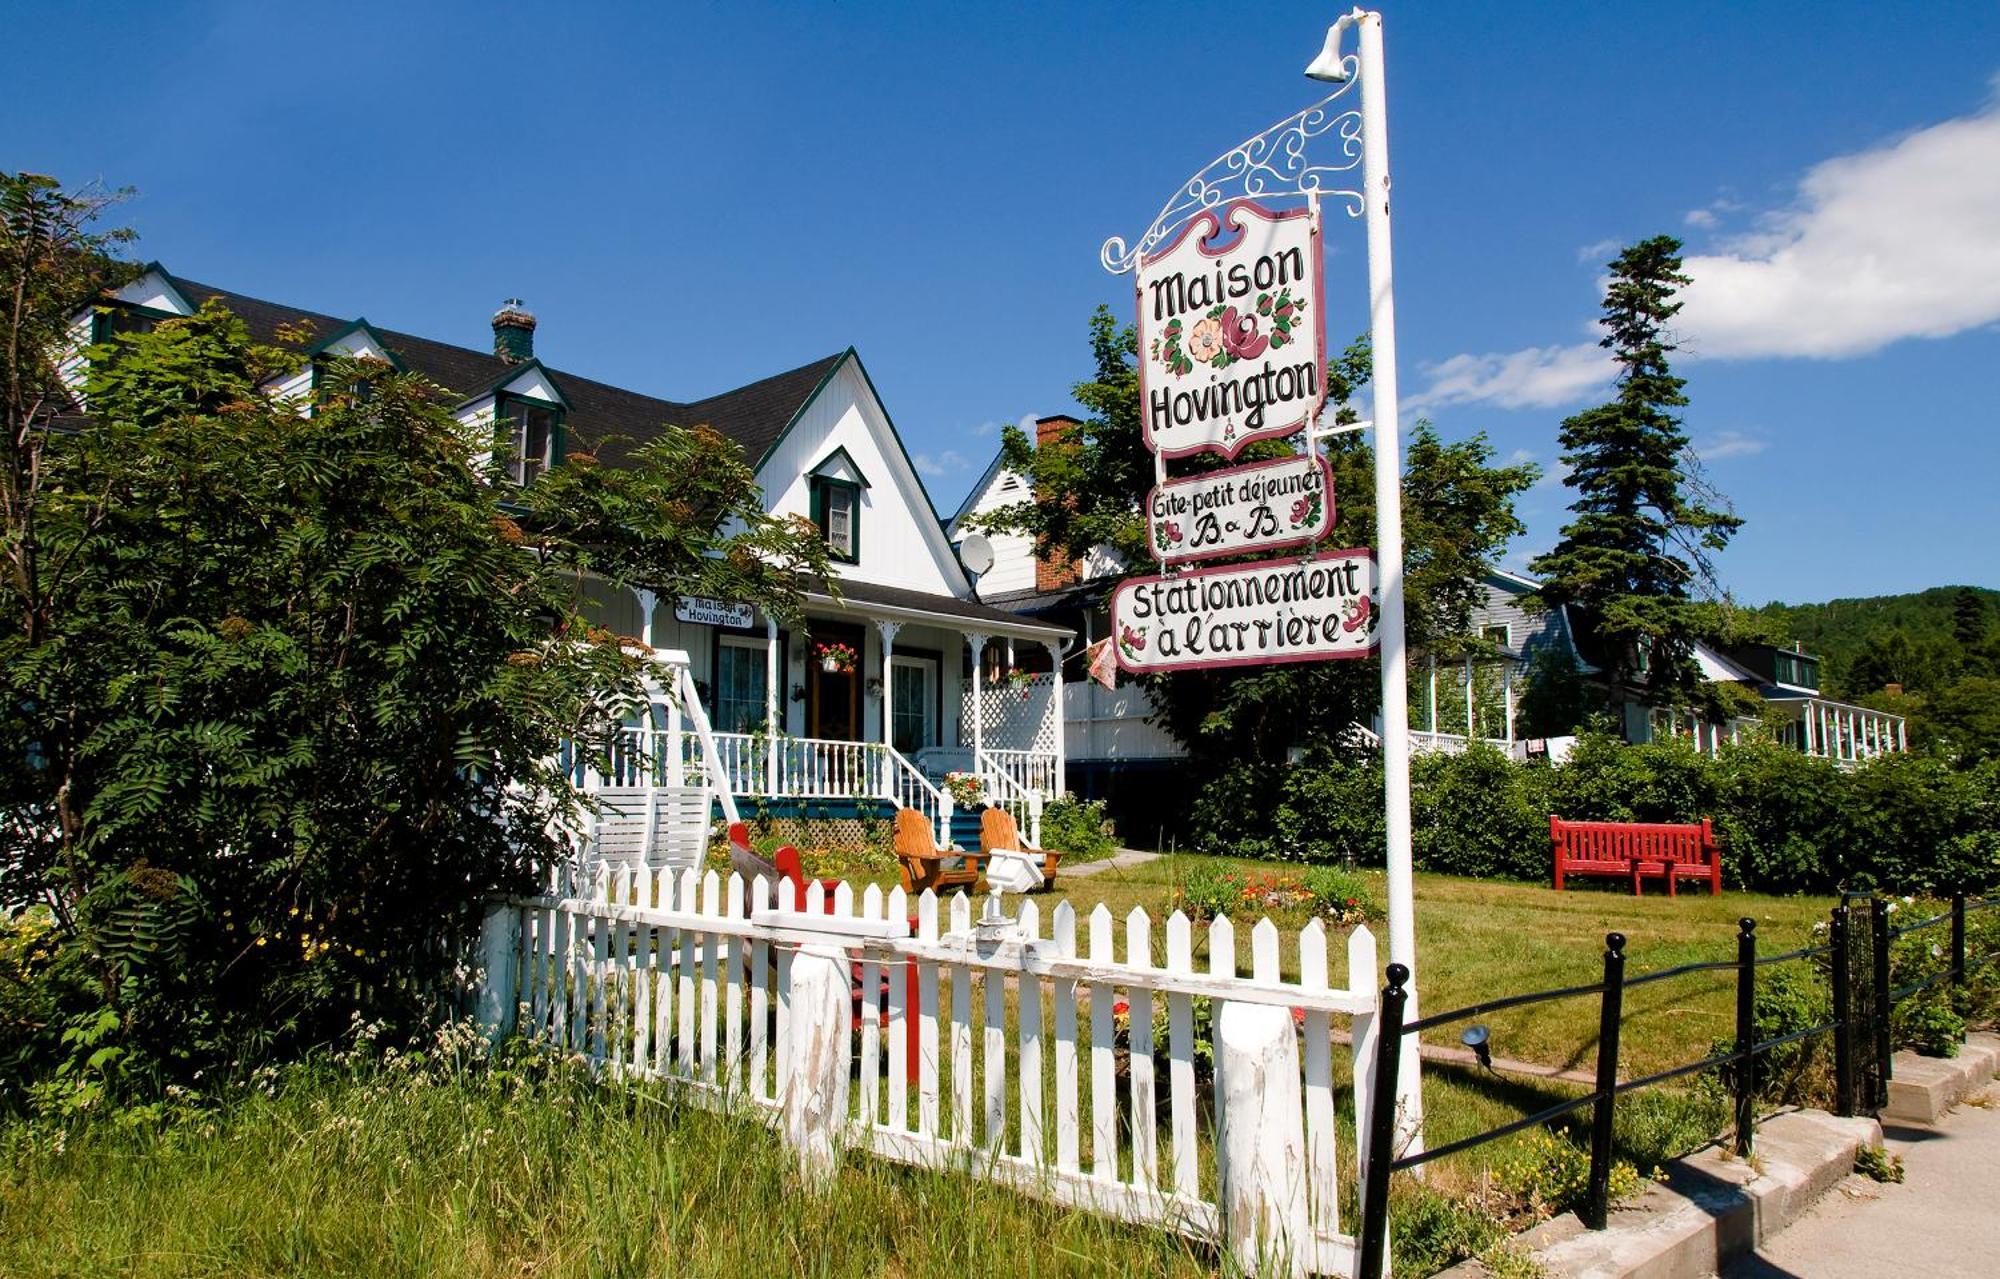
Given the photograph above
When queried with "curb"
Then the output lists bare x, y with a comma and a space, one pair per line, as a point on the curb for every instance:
1921, 1089
1712, 1208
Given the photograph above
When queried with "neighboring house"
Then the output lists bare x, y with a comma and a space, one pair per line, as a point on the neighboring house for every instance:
1786, 679
795, 731
1113, 749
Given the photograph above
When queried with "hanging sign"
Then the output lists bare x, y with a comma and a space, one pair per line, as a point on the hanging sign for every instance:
707, 612
1290, 610
1259, 507
1230, 336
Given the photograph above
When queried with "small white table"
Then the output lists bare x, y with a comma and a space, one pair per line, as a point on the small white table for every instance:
1009, 870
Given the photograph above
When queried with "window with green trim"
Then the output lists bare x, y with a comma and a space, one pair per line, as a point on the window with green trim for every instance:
837, 512
531, 431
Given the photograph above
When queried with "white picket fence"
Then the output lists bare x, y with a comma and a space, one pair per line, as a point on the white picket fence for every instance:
1024, 1070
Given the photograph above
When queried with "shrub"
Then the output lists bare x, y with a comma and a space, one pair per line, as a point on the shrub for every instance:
1548, 1174
1789, 998
1478, 814
1341, 896
1078, 828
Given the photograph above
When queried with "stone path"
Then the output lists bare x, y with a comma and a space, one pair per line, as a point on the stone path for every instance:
1942, 1222
1123, 859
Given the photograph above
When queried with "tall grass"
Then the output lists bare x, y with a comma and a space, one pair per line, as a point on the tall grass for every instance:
528, 1167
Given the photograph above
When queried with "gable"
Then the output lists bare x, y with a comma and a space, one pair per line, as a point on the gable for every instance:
155, 291
844, 424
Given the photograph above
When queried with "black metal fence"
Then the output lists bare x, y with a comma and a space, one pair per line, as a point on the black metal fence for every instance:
1859, 1025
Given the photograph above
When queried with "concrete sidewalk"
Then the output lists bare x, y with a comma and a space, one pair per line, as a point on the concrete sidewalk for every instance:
1942, 1222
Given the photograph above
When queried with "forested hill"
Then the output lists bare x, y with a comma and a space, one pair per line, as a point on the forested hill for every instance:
1923, 641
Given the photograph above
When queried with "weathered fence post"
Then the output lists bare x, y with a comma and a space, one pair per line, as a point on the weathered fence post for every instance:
1261, 1154
499, 971
1381, 1121
1610, 1011
1958, 940
1879, 911
1746, 1034
813, 1091
1843, 1016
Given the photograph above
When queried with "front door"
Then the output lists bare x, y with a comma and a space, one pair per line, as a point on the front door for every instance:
833, 698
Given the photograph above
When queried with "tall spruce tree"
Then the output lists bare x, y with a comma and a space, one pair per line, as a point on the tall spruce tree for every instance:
1642, 536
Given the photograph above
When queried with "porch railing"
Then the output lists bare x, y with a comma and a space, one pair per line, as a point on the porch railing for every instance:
802, 768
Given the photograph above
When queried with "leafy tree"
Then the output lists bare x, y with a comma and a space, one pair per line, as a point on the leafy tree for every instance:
1968, 618
1089, 485
289, 685
1641, 538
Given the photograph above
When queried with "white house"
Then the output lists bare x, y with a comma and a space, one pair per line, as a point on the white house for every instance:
797, 729
1113, 750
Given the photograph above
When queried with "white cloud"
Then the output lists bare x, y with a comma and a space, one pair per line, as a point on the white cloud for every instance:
1894, 242
1537, 377
1598, 251
1726, 444
940, 466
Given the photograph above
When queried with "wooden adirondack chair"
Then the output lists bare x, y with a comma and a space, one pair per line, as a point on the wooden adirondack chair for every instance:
924, 864
997, 829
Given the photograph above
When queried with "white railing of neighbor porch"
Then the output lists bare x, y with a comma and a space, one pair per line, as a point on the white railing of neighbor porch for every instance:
1024, 1072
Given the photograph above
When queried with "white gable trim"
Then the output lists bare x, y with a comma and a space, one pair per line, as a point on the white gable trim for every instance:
156, 291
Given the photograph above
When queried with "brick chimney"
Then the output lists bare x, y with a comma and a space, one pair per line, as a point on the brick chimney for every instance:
1053, 576
514, 332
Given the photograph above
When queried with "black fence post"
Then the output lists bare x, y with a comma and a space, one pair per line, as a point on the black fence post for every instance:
1957, 940
1382, 1127
1880, 912
1843, 1017
1610, 1010
1746, 1034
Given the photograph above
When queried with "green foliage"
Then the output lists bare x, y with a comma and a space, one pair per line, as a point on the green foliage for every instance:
1555, 700
1876, 1162
1637, 511
1788, 823
1790, 998
1430, 1231
1340, 897
289, 681
1078, 829
1548, 1174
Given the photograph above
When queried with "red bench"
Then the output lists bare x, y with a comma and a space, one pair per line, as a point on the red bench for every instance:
1637, 850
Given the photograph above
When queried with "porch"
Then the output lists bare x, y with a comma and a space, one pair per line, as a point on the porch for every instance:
871, 705
1838, 731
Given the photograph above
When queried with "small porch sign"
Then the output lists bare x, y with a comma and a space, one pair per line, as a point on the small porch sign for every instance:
1291, 610
702, 611
1230, 337
1259, 507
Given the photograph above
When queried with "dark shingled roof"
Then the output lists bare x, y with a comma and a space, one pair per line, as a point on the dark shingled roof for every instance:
754, 416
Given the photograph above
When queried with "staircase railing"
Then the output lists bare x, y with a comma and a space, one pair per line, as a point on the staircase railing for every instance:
1029, 770
909, 788
1005, 790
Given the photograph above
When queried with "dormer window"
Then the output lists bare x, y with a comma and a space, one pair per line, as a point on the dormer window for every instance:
836, 484
836, 509
532, 432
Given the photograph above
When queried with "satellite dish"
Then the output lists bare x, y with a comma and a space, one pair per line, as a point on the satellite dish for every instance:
976, 552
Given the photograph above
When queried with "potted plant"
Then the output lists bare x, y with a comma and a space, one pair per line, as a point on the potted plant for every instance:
836, 658
965, 789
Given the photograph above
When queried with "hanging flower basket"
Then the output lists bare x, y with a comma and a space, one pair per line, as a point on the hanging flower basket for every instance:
837, 659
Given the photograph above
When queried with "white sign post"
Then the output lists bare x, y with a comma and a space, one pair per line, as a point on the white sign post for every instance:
1193, 403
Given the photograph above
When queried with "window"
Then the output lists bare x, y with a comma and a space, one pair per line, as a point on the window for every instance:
910, 704
740, 669
1500, 636
532, 435
837, 511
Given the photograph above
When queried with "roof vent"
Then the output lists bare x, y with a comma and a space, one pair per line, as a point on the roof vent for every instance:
514, 332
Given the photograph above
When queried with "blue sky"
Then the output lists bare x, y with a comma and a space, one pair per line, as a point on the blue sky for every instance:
692, 196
